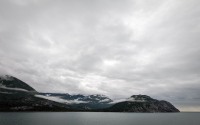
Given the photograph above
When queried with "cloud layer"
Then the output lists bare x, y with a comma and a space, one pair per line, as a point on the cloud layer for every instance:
113, 47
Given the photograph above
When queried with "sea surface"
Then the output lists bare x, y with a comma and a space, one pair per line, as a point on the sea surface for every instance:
98, 118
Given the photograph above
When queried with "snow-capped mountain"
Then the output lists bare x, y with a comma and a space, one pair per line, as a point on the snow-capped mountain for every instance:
79, 101
97, 98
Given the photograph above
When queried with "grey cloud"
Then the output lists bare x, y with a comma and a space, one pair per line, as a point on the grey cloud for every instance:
112, 47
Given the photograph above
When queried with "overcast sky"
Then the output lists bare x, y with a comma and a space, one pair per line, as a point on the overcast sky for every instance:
112, 47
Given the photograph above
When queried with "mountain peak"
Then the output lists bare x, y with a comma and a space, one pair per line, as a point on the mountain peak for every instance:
140, 98
10, 82
16, 95
146, 97
142, 103
6, 77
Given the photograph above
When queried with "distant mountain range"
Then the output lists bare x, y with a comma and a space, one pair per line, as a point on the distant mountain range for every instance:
16, 95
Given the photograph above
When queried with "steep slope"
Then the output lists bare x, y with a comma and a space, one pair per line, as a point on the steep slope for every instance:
16, 95
12, 83
142, 103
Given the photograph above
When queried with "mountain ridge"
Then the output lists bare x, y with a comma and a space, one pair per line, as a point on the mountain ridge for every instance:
16, 95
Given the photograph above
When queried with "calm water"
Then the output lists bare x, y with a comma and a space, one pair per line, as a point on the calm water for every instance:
90, 118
